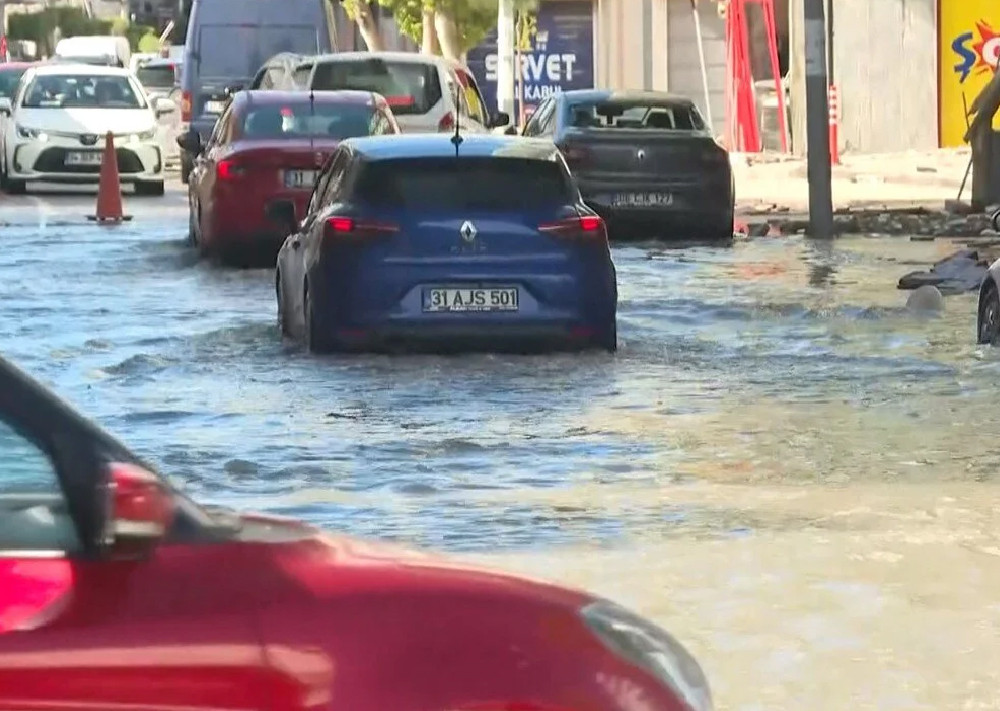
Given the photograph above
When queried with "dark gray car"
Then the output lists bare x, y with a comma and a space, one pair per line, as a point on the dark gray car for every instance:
645, 161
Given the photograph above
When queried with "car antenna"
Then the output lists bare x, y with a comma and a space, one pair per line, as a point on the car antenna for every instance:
457, 138
312, 124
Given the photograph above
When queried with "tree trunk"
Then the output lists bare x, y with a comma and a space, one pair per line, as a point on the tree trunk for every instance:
368, 28
428, 39
447, 34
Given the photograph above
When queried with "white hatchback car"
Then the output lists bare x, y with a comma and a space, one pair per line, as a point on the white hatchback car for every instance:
426, 93
54, 128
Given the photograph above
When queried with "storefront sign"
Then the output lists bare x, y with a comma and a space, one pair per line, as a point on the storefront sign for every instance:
969, 47
559, 55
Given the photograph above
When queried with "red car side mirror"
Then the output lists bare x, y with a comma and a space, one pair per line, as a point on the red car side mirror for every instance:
141, 511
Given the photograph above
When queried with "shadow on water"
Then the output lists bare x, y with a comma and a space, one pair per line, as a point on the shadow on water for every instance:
804, 344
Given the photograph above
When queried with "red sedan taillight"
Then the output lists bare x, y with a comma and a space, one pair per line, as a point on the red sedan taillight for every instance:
447, 122
228, 170
345, 229
186, 107
586, 228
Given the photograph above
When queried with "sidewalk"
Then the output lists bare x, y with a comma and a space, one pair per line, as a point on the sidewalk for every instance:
890, 180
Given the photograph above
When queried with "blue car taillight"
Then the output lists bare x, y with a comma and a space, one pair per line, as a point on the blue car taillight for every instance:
587, 228
344, 229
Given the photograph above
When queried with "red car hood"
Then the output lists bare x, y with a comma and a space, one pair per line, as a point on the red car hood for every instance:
334, 565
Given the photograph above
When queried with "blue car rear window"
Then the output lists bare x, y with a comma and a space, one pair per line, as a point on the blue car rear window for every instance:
479, 183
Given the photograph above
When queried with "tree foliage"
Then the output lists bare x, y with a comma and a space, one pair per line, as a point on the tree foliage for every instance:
473, 19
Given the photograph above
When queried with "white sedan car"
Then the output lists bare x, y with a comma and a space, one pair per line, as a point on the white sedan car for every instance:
55, 127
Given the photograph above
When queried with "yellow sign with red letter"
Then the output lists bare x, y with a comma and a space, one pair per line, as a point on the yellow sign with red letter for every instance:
969, 51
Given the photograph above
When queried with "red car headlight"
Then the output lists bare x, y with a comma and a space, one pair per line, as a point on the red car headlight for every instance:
647, 646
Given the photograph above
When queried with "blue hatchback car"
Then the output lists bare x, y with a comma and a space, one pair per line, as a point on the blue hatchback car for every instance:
424, 242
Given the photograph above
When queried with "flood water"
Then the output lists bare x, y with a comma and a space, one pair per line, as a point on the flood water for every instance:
781, 465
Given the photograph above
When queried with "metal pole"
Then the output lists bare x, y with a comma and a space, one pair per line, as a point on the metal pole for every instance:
701, 61
505, 57
829, 47
3, 27
817, 122
647, 45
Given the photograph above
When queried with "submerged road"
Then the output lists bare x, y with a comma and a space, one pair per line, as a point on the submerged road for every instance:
781, 465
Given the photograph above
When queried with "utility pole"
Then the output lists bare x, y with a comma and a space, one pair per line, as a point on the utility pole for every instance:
817, 123
3, 30
829, 40
647, 45
505, 58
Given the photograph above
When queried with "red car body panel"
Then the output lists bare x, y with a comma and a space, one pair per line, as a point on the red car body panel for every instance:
154, 634
233, 208
232, 201
307, 623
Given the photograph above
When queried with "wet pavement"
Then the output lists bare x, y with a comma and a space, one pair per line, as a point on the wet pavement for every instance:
781, 465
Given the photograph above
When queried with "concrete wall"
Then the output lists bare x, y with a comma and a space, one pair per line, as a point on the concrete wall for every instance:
618, 36
885, 62
684, 65
618, 30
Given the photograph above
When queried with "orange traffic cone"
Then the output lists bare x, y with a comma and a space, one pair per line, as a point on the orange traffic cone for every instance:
109, 189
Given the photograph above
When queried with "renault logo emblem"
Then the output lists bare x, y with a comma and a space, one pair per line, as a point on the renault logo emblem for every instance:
468, 231
641, 154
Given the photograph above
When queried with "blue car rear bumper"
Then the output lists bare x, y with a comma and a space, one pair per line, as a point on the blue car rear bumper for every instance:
381, 309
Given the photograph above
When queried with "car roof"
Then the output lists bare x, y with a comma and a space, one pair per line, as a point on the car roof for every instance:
628, 95
80, 68
407, 57
439, 145
270, 97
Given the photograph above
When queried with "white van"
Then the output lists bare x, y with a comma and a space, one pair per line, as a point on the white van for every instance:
107, 50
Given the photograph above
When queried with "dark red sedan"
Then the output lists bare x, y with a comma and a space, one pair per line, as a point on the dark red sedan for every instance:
119, 593
267, 147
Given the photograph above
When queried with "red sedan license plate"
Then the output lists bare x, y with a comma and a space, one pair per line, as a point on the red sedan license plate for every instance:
300, 179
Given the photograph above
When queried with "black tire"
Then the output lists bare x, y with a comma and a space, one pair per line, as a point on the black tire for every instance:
16, 187
989, 316
152, 189
3, 175
185, 170
192, 235
316, 339
720, 227
204, 251
282, 317
608, 340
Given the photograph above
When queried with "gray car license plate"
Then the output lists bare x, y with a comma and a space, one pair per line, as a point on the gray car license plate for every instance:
642, 200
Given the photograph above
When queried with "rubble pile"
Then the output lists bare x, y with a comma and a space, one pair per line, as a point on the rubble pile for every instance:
913, 222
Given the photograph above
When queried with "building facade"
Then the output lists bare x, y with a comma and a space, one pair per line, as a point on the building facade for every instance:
905, 69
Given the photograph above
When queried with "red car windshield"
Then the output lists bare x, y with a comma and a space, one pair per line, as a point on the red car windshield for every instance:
300, 120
